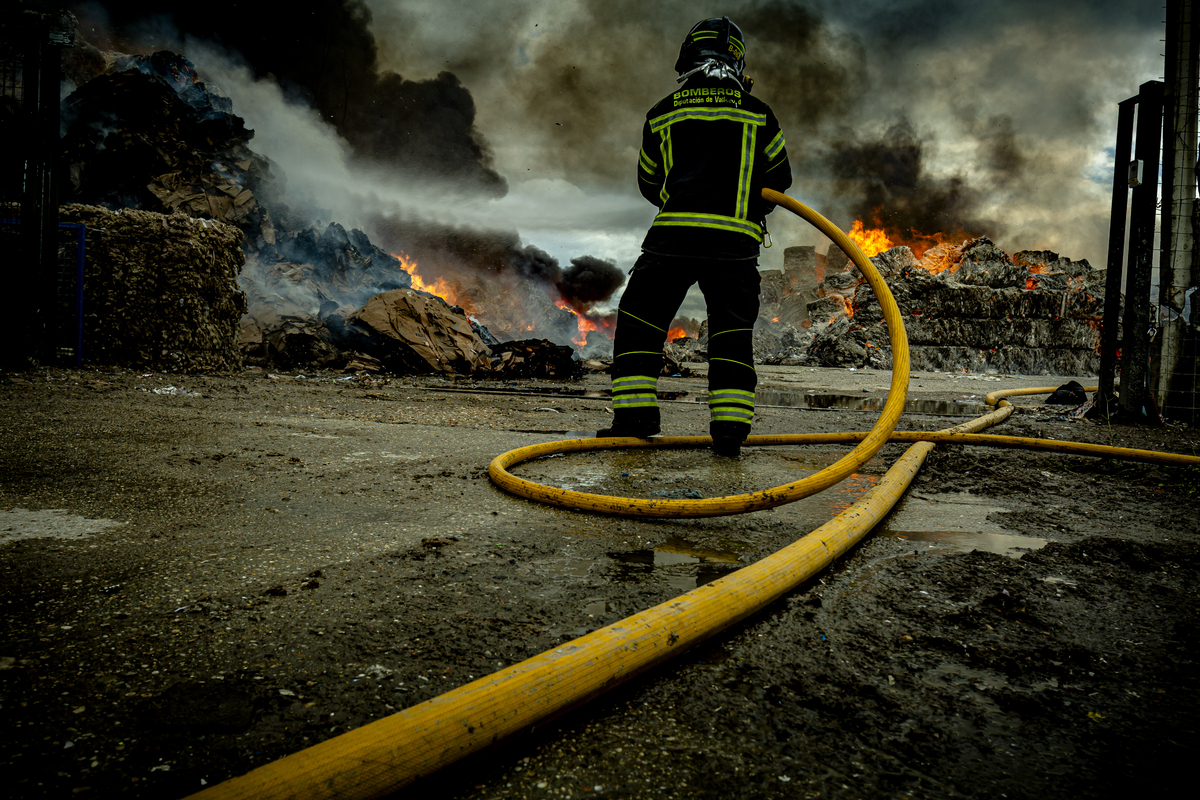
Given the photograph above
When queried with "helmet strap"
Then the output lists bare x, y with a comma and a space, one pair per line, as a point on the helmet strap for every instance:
713, 68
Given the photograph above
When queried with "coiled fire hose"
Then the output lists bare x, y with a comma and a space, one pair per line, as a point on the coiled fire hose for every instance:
389, 754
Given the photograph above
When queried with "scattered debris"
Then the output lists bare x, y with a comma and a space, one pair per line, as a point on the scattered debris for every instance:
536, 358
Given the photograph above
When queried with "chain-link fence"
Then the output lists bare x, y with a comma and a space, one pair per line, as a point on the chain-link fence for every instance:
1151, 315
1173, 355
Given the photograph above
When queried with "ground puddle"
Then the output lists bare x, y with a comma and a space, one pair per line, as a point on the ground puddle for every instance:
945, 542
677, 562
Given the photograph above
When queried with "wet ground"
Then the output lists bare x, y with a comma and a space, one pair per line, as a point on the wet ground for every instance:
203, 574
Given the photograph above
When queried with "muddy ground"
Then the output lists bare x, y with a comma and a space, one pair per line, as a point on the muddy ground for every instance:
203, 574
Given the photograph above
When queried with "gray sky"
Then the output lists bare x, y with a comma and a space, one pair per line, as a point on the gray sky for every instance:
1017, 99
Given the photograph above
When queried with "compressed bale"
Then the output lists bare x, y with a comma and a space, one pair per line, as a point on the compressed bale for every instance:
160, 292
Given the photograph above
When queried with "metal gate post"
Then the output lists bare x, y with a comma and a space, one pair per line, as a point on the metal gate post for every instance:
1136, 400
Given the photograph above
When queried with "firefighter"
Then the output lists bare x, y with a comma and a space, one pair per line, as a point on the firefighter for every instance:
708, 150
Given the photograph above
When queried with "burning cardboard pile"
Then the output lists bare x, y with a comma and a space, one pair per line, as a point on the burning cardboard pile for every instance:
968, 306
143, 131
148, 133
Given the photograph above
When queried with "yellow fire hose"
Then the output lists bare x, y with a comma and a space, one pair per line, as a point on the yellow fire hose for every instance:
392, 753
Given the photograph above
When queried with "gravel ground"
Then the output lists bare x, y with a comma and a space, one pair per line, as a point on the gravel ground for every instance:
203, 574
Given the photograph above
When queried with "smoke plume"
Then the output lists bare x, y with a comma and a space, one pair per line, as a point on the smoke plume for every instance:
896, 193
1011, 108
589, 281
1014, 104
326, 56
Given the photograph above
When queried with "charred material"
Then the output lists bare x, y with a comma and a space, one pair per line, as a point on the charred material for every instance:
150, 134
970, 307
537, 358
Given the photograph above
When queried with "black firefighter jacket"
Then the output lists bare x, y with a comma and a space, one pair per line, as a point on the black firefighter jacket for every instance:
708, 150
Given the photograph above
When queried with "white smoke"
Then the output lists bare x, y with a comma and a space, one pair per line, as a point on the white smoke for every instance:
324, 183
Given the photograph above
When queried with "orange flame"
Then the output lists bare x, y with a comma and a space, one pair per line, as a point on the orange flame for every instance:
881, 237
676, 333
440, 287
1031, 282
871, 242
582, 323
942, 258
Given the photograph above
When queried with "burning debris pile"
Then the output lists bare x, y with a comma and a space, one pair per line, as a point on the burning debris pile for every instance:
788, 301
515, 290
161, 290
148, 133
145, 132
968, 306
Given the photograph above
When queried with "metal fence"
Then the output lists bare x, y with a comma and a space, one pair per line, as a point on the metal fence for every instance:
1152, 263
63, 337
11, 98
1174, 364
31, 47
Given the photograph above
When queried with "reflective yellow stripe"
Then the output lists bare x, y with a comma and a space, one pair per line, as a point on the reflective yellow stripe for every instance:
635, 391
639, 319
699, 36
776, 146
647, 164
635, 401
717, 221
731, 405
639, 352
747, 166
732, 361
731, 330
668, 162
634, 381
707, 115
733, 395
782, 161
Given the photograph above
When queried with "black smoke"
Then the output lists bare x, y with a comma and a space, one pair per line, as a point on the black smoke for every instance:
891, 188
591, 83
325, 56
324, 53
589, 281
465, 256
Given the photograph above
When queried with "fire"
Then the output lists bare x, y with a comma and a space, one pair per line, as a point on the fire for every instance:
871, 242
676, 333
583, 323
440, 287
920, 243
942, 258
1031, 282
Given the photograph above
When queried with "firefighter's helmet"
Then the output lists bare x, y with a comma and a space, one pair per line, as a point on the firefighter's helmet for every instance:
713, 38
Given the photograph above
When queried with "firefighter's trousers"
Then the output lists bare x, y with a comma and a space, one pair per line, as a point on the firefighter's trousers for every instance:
656, 290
